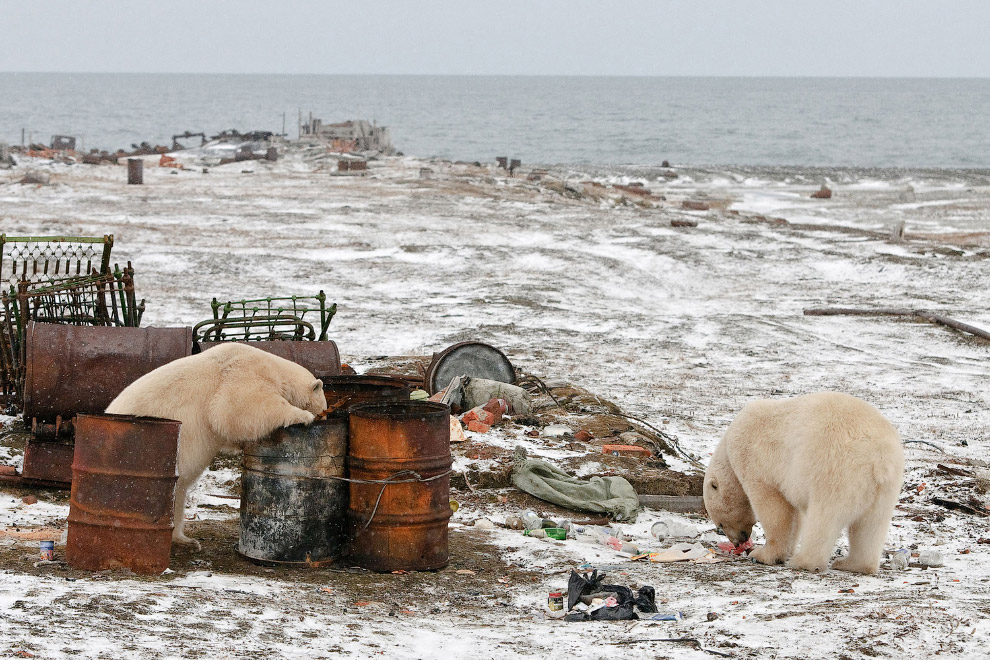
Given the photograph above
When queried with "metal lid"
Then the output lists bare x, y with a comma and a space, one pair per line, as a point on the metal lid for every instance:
468, 358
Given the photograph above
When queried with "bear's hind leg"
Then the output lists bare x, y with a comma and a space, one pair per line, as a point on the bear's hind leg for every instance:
779, 521
867, 535
821, 525
179, 517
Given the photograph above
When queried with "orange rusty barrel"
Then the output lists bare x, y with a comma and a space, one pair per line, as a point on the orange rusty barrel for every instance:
320, 358
72, 369
346, 392
123, 491
399, 466
293, 497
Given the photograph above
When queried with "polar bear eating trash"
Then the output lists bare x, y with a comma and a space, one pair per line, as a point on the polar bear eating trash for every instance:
225, 397
806, 468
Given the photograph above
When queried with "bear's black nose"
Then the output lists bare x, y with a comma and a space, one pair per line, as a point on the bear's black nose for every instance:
743, 537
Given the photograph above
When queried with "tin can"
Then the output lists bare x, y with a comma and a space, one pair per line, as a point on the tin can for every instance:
555, 601
48, 551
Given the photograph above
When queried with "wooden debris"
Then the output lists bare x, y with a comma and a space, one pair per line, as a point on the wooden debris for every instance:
892, 311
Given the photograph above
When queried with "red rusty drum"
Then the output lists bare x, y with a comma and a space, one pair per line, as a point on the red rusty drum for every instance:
72, 369
123, 491
320, 358
399, 463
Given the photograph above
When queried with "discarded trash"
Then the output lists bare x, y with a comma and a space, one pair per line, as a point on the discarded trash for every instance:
626, 450
612, 495
456, 431
681, 552
555, 601
531, 520
900, 559
555, 431
479, 391
617, 602
514, 522
47, 550
468, 358
930, 558
669, 527
418, 395
484, 523
676, 616
604, 536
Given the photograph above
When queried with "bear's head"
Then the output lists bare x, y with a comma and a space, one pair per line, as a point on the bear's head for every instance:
304, 391
726, 501
315, 399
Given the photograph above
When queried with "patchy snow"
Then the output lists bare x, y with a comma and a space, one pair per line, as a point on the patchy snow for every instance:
677, 324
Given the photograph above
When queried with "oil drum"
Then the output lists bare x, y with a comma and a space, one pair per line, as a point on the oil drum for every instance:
123, 491
320, 358
399, 465
345, 392
293, 508
72, 369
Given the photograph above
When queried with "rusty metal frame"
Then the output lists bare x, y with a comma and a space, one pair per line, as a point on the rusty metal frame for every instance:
50, 258
267, 319
105, 299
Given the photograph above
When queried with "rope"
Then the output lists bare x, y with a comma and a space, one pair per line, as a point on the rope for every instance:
391, 479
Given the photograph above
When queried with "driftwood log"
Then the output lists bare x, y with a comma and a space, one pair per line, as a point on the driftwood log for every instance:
931, 317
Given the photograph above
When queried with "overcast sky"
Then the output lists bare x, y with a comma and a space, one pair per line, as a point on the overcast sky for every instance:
533, 37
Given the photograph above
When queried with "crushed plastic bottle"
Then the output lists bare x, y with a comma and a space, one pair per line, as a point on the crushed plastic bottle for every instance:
932, 558
900, 559
531, 521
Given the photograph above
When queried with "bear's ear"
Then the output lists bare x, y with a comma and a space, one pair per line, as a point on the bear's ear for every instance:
317, 385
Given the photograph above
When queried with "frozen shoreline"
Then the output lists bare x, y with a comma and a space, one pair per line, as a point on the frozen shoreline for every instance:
585, 284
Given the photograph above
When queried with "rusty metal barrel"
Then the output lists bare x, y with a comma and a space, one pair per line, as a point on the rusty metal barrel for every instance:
293, 502
399, 465
320, 358
123, 492
72, 369
346, 392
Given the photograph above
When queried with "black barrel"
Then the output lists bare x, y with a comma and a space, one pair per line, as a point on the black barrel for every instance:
293, 508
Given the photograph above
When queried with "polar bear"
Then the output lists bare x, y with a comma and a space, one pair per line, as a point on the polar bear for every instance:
806, 468
226, 396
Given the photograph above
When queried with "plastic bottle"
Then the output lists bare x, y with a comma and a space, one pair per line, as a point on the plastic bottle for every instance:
930, 558
531, 520
900, 559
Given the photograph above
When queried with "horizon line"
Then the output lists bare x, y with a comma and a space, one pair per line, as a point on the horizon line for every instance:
511, 75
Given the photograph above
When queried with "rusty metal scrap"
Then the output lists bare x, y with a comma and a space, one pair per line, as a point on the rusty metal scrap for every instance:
292, 318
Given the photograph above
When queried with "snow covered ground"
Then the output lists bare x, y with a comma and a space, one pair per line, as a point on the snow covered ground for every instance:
574, 282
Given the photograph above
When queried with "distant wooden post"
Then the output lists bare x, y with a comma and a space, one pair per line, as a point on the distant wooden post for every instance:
135, 171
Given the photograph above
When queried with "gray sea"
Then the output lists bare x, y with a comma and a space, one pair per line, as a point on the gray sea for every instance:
853, 122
